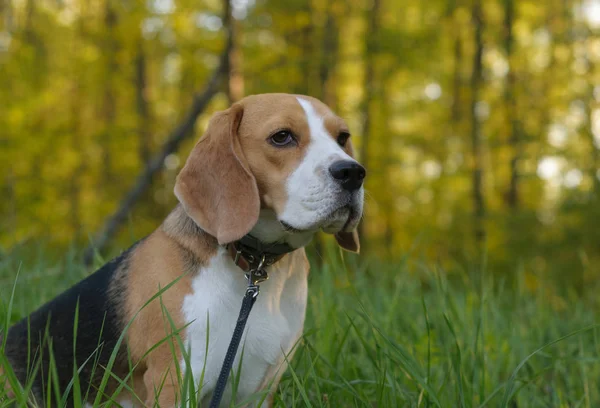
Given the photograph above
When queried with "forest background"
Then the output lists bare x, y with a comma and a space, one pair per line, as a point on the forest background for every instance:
478, 121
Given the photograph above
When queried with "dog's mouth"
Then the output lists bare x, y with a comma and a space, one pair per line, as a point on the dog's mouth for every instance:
343, 218
353, 216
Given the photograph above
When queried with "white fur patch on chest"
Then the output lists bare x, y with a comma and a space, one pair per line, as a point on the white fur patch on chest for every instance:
274, 325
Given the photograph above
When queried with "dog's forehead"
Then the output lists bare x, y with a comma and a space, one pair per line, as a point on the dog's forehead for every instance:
259, 108
318, 107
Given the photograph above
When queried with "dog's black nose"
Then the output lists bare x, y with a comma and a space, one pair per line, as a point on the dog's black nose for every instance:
349, 173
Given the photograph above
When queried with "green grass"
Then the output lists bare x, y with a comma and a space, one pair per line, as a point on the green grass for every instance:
403, 333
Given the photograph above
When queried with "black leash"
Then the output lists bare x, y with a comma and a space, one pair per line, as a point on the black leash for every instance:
255, 276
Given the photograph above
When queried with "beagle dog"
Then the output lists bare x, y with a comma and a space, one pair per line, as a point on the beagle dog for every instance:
269, 172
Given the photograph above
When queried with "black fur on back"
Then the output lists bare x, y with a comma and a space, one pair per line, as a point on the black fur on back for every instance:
50, 329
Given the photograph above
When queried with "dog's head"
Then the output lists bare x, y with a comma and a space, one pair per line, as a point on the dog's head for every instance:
278, 165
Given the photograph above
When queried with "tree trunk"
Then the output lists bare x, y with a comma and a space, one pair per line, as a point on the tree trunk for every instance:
369, 92
386, 156
306, 37
7, 11
590, 104
29, 15
142, 105
476, 137
39, 59
10, 221
108, 103
235, 77
456, 111
455, 27
594, 166
76, 143
511, 106
329, 58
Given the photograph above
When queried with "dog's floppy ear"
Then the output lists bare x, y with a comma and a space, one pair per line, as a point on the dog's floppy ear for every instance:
215, 187
348, 240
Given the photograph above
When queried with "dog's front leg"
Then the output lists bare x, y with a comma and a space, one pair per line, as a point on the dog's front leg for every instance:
161, 379
161, 390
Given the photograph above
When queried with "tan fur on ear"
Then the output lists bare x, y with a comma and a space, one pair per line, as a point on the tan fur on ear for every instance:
215, 186
350, 241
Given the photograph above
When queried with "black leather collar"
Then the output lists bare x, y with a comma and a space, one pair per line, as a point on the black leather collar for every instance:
251, 253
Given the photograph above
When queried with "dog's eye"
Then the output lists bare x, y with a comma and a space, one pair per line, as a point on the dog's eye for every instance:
282, 138
343, 138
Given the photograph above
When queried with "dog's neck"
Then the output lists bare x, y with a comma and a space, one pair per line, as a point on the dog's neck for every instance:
180, 227
268, 229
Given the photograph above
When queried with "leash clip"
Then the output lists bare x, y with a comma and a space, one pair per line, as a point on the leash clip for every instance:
255, 276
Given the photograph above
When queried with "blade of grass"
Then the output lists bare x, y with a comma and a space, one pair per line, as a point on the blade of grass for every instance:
508, 392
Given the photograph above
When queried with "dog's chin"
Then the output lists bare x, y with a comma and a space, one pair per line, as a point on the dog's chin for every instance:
336, 221
345, 219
